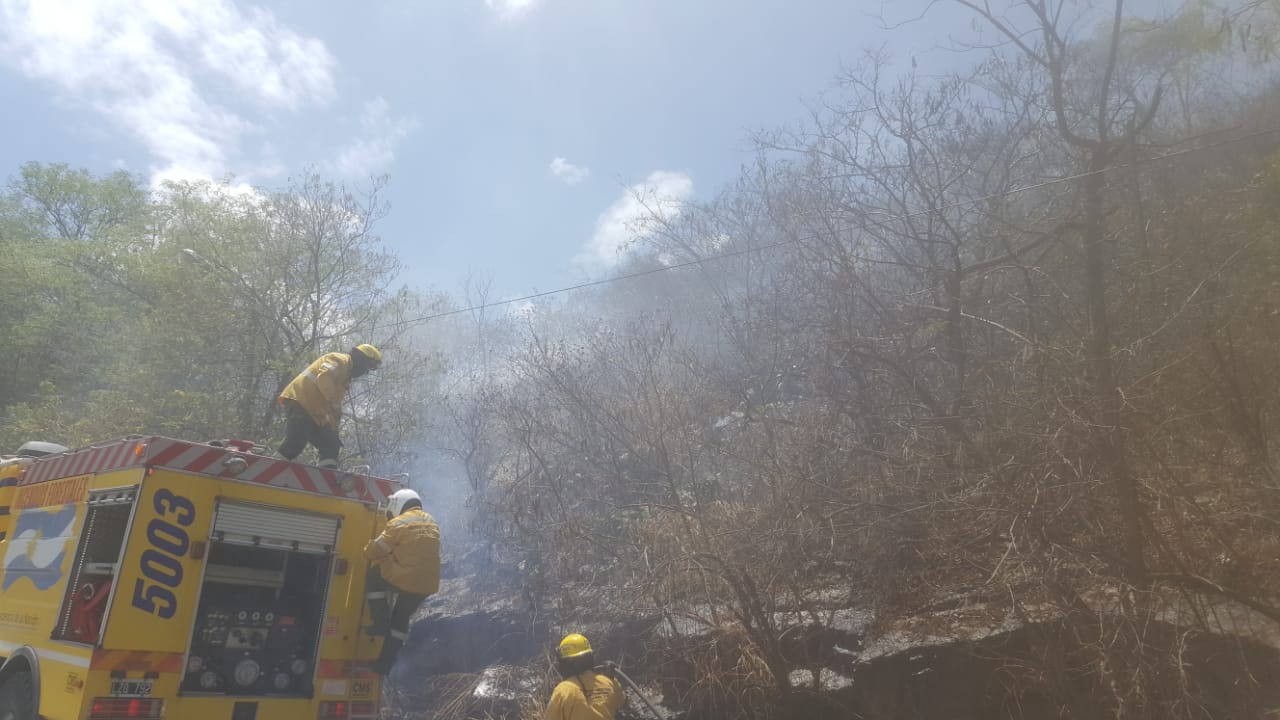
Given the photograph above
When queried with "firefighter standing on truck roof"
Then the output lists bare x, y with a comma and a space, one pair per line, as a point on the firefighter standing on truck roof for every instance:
584, 694
313, 402
405, 569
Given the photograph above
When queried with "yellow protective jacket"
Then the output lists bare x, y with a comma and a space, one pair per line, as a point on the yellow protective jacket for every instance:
321, 388
586, 696
407, 553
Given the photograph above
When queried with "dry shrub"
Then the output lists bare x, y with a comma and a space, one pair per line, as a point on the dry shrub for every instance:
719, 675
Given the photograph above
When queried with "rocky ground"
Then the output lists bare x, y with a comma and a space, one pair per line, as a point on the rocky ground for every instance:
480, 650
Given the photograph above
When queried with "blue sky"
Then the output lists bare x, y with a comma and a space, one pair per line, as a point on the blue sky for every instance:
513, 130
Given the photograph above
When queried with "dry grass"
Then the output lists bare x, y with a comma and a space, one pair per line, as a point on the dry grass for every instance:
502, 692
722, 675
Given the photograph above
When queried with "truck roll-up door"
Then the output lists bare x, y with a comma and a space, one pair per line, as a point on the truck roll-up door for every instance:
265, 526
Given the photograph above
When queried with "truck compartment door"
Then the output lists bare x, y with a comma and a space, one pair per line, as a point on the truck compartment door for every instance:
96, 565
271, 527
262, 602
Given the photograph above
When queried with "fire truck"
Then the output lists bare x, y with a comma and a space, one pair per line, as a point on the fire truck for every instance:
149, 577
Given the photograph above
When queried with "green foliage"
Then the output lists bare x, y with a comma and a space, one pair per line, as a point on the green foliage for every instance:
1218, 26
185, 311
1192, 31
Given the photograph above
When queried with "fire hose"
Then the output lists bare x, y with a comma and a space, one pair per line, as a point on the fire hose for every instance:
611, 669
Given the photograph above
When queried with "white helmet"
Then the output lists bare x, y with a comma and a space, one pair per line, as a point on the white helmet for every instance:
399, 499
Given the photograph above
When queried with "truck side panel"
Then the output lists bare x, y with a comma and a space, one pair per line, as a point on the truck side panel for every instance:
44, 530
153, 611
158, 580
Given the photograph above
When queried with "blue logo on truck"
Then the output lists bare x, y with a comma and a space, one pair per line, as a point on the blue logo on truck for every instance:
37, 547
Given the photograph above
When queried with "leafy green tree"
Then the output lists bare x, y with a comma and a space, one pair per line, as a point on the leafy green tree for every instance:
66, 239
186, 311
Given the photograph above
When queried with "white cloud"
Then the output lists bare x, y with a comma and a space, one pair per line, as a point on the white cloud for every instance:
374, 149
509, 9
152, 67
630, 218
568, 172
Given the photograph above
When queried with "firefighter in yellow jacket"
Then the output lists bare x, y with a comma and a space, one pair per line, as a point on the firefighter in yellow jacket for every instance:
584, 694
313, 402
405, 569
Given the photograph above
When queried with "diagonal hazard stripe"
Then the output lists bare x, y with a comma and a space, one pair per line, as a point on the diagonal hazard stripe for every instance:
205, 460
330, 483
41, 471
186, 457
167, 453
257, 466
362, 489
385, 488
45, 471
271, 472
92, 460
122, 455
79, 460
303, 475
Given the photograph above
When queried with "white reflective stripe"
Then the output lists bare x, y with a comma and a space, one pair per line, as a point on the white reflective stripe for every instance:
188, 456
310, 376
64, 658
376, 595
399, 635
383, 544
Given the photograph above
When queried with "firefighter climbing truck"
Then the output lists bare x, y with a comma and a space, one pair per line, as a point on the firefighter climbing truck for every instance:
149, 577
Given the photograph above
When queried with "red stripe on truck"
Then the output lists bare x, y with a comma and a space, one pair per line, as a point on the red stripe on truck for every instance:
168, 452
136, 661
206, 461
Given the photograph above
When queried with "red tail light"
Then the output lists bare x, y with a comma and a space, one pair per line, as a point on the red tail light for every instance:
334, 711
124, 708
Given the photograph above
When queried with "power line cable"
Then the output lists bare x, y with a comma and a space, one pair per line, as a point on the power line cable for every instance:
814, 236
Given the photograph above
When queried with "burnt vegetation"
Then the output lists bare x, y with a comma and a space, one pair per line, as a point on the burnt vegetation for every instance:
981, 363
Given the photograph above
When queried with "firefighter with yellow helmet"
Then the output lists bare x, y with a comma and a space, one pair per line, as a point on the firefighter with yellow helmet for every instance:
313, 402
584, 694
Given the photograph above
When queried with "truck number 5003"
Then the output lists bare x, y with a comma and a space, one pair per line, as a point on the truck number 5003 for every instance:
160, 563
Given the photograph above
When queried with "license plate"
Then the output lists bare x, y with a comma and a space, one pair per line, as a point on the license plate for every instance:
131, 688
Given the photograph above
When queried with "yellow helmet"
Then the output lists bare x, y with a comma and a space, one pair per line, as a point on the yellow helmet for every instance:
574, 645
371, 352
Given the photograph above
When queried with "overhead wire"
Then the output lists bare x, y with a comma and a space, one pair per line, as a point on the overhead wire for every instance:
817, 235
